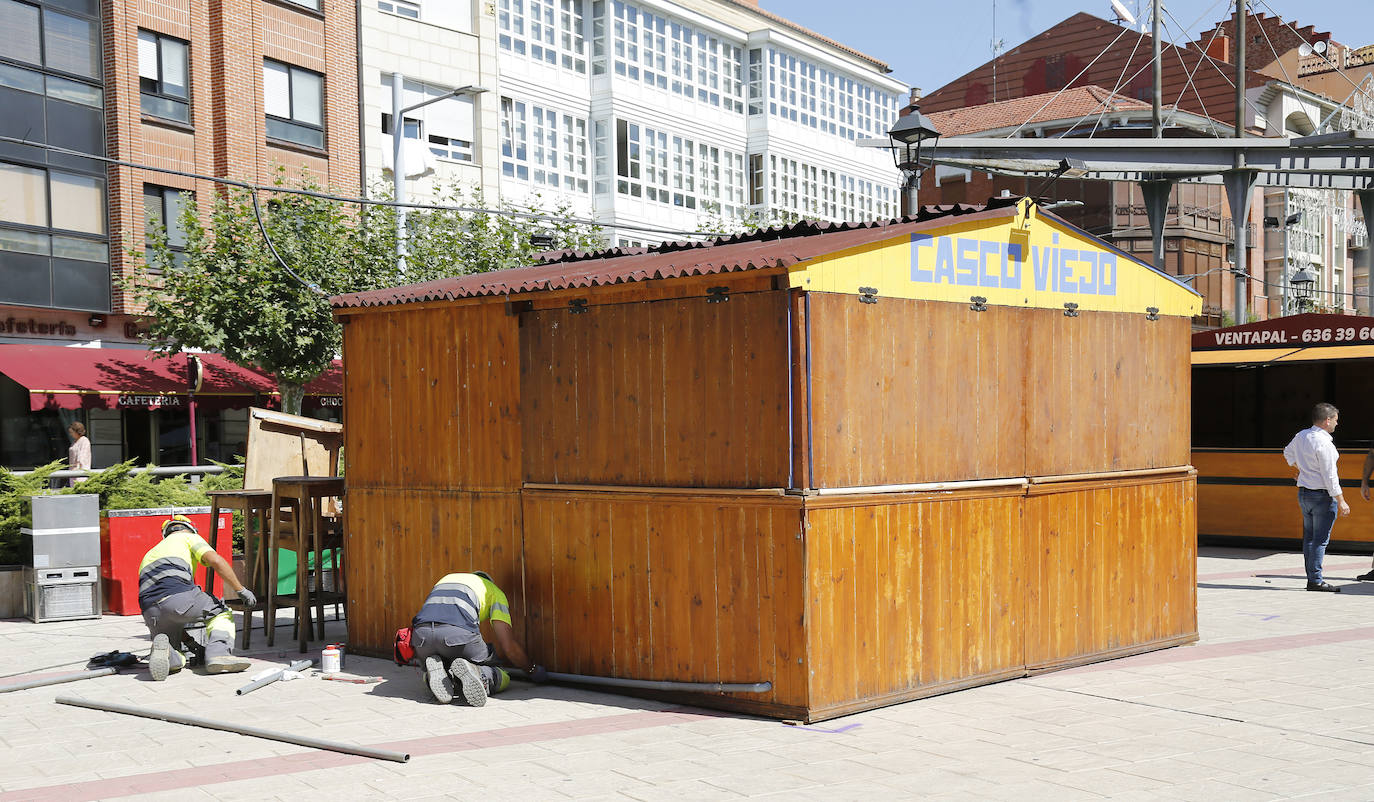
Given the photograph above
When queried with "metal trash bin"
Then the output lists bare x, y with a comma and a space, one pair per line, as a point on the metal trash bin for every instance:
62, 544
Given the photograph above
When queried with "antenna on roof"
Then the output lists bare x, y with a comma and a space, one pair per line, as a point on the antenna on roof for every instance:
1122, 13
998, 45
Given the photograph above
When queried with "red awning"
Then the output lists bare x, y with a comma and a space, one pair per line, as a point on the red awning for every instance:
60, 377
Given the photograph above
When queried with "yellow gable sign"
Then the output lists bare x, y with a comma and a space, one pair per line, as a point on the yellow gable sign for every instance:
1024, 260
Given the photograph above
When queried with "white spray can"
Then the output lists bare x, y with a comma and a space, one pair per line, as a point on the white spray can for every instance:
329, 659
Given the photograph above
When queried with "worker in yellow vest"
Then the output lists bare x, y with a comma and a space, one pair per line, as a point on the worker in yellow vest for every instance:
447, 637
170, 600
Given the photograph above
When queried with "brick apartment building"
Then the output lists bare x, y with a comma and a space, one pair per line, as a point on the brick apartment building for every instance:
1105, 73
221, 88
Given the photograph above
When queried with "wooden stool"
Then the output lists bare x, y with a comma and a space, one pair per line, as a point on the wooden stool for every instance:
253, 505
303, 497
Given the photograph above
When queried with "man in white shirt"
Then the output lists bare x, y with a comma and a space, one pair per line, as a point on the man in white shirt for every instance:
1319, 490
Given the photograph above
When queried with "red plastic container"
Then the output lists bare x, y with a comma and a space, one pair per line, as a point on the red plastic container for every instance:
126, 535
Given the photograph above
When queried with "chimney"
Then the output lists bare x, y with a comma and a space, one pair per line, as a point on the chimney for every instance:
1220, 49
915, 96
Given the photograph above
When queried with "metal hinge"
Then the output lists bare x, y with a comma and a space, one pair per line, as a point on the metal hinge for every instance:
1070, 309
978, 303
1152, 313
715, 295
868, 295
577, 306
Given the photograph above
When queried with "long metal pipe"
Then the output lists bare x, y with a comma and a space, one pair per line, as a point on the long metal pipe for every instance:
273, 677
1156, 125
38, 683
161, 470
654, 684
226, 726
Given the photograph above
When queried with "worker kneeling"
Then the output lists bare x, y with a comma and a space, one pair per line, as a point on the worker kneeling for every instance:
447, 638
170, 600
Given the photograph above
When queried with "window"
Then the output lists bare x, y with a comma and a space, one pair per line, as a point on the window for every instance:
445, 126
544, 146
313, 5
163, 76
294, 101
548, 31
50, 38
162, 207
53, 250
672, 56
400, 8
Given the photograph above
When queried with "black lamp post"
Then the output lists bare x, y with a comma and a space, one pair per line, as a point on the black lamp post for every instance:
907, 136
1304, 283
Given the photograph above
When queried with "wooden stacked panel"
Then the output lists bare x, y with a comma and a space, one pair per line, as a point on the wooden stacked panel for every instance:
684, 587
674, 393
1249, 494
432, 439
915, 391
1107, 392
910, 595
1111, 568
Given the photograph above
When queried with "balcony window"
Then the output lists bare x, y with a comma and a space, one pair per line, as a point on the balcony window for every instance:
400, 8
162, 206
164, 77
294, 100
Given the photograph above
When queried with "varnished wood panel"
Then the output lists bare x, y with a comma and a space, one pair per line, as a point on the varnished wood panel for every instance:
678, 392
909, 598
400, 542
432, 399
1111, 567
1106, 392
697, 589
1252, 494
912, 391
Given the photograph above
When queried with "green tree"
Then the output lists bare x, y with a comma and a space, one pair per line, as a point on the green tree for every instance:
227, 292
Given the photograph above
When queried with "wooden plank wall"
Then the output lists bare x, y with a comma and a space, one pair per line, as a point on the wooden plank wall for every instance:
1107, 392
919, 391
432, 445
915, 391
1111, 568
913, 594
675, 393
1252, 494
691, 588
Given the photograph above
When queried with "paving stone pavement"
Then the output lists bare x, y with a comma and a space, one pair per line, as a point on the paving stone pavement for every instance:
1275, 701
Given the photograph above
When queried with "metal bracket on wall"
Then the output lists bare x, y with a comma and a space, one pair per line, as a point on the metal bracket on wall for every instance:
1152, 313
978, 303
868, 295
577, 306
1070, 309
715, 295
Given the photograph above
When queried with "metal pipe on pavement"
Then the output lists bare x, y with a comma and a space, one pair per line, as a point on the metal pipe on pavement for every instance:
653, 684
273, 677
38, 683
225, 726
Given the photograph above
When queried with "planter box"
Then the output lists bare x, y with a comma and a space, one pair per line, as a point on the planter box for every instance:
126, 535
11, 591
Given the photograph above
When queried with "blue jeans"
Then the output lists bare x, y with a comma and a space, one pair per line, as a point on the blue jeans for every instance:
1318, 519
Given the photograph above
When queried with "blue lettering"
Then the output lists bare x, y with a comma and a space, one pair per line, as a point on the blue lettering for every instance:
1062, 270
1087, 284
944, 260
966, 267
918, 242
985, 249
1106, 283
1040, 264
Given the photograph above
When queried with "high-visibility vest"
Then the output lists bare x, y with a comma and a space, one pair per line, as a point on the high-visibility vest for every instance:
464, 600
169, 567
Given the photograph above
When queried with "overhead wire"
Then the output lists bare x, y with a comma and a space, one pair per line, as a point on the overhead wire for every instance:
1070, 83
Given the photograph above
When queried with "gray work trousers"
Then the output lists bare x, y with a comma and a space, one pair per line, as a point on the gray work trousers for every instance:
170, 615
449, 642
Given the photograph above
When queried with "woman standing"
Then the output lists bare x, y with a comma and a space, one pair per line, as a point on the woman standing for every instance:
79, 455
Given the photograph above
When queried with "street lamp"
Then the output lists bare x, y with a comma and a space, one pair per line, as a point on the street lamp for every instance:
911, 131
398, 170
1304, 283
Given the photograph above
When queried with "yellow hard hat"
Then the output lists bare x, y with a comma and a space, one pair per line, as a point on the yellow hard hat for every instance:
177, 523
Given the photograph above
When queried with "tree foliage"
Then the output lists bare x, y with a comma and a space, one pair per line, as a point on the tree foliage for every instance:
227, 292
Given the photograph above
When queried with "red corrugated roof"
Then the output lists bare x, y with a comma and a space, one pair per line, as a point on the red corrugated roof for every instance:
780, 247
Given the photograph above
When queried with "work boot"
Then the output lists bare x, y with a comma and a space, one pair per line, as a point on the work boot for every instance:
226, 664
440, 683
160, 658
473, 683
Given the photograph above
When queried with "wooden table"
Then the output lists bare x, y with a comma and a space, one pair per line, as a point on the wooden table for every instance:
304, 497
254, 505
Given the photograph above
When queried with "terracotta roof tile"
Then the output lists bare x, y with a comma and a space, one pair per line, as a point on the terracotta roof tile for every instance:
1071, 104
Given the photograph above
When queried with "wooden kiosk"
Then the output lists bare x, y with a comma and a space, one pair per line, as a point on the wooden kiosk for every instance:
1253, 387
865, 463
